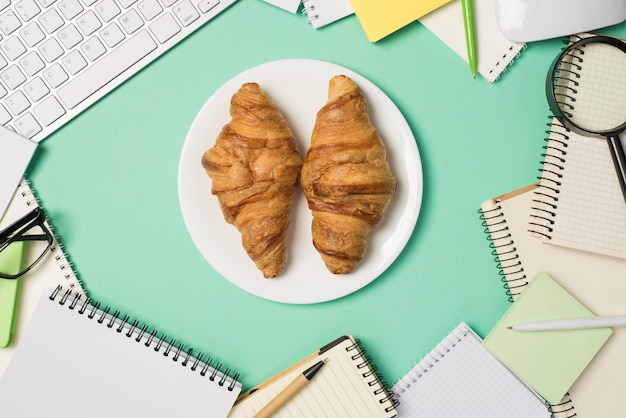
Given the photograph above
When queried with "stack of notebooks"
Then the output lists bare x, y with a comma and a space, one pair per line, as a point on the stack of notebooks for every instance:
572, 226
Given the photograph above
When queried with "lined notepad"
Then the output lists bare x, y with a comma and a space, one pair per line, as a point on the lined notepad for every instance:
460, 378
348, 386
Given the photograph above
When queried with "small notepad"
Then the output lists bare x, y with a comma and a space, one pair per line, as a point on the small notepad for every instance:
348, 386
548, 361
460, 378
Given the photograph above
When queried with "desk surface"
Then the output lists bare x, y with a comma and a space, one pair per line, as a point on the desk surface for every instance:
108, 181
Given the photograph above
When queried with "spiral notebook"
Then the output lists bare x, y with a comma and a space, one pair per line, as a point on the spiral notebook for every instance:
54, 269
348, 386
323, 12
460, 378
495, 52
579, 203
595, 280
78, 359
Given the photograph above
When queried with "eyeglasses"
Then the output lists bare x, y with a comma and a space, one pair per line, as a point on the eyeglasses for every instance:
30, 228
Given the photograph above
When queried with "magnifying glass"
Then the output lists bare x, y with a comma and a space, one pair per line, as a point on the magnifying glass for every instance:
586, 91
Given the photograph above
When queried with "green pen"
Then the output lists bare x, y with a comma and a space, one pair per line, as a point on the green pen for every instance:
11, 261
470, 34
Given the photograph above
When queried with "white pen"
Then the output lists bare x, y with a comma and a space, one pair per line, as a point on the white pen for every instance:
571, 323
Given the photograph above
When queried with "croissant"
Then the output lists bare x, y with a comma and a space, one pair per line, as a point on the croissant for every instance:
346, 177
254, 166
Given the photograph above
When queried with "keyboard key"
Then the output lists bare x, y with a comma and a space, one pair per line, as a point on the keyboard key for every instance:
126, 3
3, 91
206, 5
3, 62
164, 27
70, 8
70, 36
5, 116
13, 48
186, 13
36, 89
27, 125
131, 21
4, 4
32, 34
105, 70
88, 23
31, 63
9, 22
149, 9
51, 20
112, 35
93, 48
46, 3
107, 9
51, 49
27, 9
74, 62
13, 77
17, 102
55, 75
49, 110
88, 3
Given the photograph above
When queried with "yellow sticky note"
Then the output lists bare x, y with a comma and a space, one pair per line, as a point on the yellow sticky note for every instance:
380, 18
548, 361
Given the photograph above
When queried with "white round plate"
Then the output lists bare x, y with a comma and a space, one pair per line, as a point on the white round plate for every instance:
299, 87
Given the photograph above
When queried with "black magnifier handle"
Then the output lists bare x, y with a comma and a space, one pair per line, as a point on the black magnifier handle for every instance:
617, 153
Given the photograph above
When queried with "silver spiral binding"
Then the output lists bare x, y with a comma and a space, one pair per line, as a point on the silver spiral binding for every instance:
380, 389
503, 250
505, 61
56, 251
169, 347
309, 10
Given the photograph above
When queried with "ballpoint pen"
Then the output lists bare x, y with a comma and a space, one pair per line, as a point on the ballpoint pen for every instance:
470, 34
571, 323
289, 391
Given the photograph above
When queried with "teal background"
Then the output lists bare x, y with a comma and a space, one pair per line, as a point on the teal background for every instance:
108, 181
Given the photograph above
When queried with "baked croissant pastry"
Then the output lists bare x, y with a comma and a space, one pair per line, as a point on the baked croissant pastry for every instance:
254, 166
346, 177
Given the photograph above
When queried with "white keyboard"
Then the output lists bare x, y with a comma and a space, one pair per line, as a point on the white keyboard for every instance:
57, 57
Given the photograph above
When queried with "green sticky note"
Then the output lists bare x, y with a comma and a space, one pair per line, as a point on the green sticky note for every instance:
11, 260
548, 361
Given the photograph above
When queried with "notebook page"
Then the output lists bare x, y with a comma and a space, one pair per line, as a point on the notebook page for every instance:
459, 377
591, 212
495, 52
337, 390
70, 365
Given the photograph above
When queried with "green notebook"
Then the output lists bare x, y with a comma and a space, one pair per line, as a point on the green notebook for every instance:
548, 361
